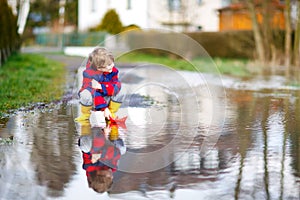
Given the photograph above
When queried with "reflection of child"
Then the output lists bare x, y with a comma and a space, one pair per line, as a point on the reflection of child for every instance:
100, 85
100, 159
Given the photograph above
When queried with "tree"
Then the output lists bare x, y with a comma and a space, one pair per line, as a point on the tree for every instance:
288, 32
264, 33
265, 10
259, 44
43, 13
71, 14
9, 37
46, 13
296, 50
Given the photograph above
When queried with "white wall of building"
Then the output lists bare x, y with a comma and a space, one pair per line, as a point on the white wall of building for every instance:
151, 13
208, 16
197, 13
91, 12
136, 14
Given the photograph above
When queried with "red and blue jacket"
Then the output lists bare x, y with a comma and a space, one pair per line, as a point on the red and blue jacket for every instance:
110, 155
109, 82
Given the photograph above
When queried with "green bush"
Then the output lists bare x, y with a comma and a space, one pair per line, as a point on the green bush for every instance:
132, 27
110, 23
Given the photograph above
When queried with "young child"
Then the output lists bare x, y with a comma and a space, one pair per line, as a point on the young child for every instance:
100, 85
100, 158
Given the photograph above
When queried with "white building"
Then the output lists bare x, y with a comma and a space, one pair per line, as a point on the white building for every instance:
177, 15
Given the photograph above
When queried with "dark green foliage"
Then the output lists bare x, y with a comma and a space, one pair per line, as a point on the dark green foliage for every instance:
43, 13
110, 23
9, 38
71, 12
46, 12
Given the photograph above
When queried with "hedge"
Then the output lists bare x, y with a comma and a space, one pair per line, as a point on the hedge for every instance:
229, 44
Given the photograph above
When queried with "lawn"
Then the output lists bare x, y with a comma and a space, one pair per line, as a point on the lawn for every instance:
29, 78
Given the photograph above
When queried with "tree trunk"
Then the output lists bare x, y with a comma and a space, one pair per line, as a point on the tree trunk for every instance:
269, 33
296, 53
259, 45
266, 27
288, 31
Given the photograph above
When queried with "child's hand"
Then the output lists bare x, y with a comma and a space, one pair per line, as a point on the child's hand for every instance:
96, 85
96, 157
106, 131
107, 113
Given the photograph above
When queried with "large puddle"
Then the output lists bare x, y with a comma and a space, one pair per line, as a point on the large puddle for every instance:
188, 136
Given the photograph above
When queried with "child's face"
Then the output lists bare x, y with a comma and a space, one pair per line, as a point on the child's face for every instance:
108, 68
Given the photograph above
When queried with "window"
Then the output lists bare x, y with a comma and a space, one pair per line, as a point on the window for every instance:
93, 6
174, 5
128, 4
226, 3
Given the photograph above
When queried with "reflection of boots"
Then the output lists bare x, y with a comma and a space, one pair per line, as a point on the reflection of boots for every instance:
114, 133
114, 107
85, 128
85, 113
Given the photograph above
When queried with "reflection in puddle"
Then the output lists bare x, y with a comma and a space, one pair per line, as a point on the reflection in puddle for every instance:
255, 157
101, 151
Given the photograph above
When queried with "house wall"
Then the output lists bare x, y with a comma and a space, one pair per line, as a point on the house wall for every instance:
135, 14
91, 12
153, 14
208, 16
193, 13
278, 20
239, 19
230, 20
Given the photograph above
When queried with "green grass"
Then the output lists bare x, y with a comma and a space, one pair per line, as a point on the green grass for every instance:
30, 78
234, 67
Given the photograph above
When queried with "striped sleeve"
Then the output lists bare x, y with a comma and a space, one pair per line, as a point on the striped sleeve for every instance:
112, 87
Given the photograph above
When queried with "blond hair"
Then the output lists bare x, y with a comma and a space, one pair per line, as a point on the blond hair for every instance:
101, 58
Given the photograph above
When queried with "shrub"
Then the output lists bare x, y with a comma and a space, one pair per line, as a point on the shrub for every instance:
131, 27
110, 23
